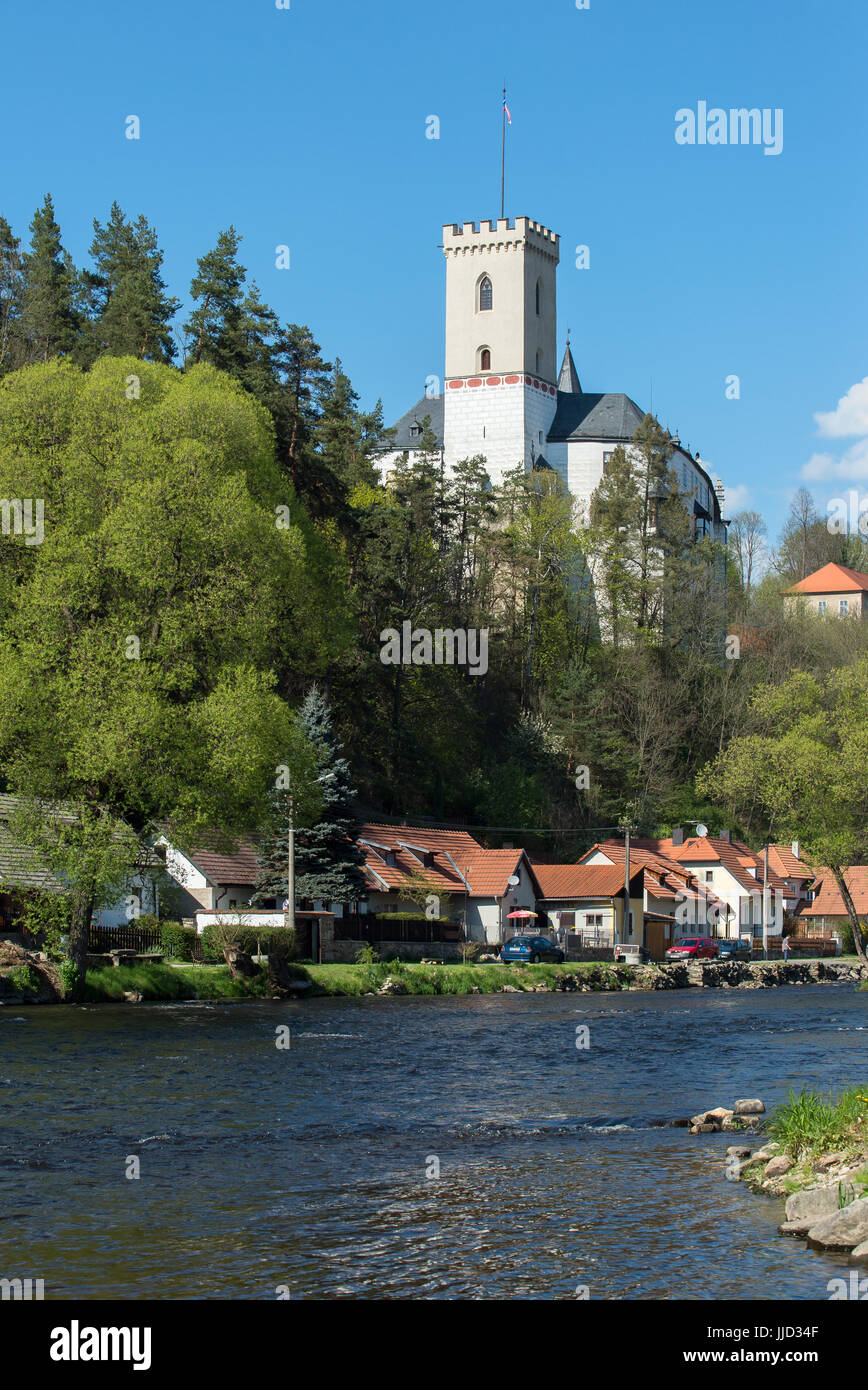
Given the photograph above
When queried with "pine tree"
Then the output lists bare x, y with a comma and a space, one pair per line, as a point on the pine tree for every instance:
130, 310
217, 290
11, 293
49, 321
328, 859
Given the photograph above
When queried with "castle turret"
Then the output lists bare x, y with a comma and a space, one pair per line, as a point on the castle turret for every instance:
501, 341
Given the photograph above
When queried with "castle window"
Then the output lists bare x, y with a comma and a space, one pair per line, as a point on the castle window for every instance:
485, 293
485, 360
538, 361
537, 295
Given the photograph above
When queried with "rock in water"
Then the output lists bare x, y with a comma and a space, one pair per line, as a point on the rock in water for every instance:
749, 1107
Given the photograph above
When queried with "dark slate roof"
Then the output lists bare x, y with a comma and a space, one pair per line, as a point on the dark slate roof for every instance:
588, 415
428, 405
568, 380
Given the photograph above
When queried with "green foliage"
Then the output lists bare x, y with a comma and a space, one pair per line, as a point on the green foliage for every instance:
24, 979
217, 937
177, 941
366, 955
810, 1125
69, 977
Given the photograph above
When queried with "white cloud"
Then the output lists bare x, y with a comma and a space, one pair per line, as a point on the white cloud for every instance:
737, 498
850, 415
853, 464
848, 419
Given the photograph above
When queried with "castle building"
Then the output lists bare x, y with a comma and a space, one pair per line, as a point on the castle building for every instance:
503, 396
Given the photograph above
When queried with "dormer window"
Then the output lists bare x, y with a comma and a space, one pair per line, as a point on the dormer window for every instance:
416, 429
391, 858
485, 293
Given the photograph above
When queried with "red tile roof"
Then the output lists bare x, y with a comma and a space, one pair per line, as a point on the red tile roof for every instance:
828, 901
238, 867
487, 871
583, 880
785, 863
831, 579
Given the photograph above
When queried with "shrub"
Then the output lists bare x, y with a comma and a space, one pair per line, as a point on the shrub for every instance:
218, 936
24, 979
177, 941
68, 973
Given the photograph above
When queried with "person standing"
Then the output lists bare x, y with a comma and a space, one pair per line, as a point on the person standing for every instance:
785, 948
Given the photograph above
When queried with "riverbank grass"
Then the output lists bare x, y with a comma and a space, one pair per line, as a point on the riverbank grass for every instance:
821, 1139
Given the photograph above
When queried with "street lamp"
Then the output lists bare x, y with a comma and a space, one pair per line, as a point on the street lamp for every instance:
290, 866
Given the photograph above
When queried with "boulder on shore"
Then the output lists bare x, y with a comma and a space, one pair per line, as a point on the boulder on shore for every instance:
813, 1203
843, 1230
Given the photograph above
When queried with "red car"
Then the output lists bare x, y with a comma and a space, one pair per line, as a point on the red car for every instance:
700, 947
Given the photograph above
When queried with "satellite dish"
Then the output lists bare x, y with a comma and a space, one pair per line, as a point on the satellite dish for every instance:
701, 830
513, 880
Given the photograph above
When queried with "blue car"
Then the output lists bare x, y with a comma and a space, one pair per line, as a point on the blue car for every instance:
531, 949
734, 948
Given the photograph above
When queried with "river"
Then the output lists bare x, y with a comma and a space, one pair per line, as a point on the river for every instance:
313, 1169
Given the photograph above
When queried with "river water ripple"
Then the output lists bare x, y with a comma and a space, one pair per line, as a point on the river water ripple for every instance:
309, 1167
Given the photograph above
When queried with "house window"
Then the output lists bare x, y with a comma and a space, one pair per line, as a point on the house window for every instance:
843, 607
485, 293
594, 919
485, 360
709, 875
607, 458
390, 858
821, 607
568, 920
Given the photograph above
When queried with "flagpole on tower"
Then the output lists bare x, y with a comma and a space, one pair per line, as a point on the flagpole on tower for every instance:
503, 151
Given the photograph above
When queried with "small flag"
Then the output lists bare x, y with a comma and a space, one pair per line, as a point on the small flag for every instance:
506, 109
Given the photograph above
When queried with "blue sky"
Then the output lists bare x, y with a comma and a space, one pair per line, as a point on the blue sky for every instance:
306, 127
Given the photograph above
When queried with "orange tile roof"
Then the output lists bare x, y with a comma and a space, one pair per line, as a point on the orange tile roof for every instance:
486, 870
828, 901
831, 579
785, 863
583, 880
707, 849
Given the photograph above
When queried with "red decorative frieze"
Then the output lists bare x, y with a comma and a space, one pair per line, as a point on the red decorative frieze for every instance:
492, 381
512, 380
455, 385
474, 381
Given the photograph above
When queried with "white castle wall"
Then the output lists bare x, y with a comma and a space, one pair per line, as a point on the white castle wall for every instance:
500, 421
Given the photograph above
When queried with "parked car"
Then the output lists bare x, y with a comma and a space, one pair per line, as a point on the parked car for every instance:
531, 949
632, 955
697, 947
735, 948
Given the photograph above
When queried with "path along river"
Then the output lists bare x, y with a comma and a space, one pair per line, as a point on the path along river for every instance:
308, 1168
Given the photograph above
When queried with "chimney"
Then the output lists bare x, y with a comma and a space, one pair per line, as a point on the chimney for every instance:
795, 848
726, 836
678, 836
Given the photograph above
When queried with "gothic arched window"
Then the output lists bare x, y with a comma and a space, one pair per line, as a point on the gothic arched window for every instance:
485, 294
485, 360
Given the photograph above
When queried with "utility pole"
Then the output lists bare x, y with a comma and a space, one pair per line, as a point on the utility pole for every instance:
290, 867
765, 902
628, 915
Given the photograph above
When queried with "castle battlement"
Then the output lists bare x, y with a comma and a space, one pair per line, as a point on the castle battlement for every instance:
504, 234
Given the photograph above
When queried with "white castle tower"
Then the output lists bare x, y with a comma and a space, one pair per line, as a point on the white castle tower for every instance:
500, 391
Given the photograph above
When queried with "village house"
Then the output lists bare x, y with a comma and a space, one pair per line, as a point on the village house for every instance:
834, 591
724, 897
462, 881
584, 905
21, 875
825, 914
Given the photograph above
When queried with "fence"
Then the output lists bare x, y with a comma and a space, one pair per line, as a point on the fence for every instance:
376, 929
128, 938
